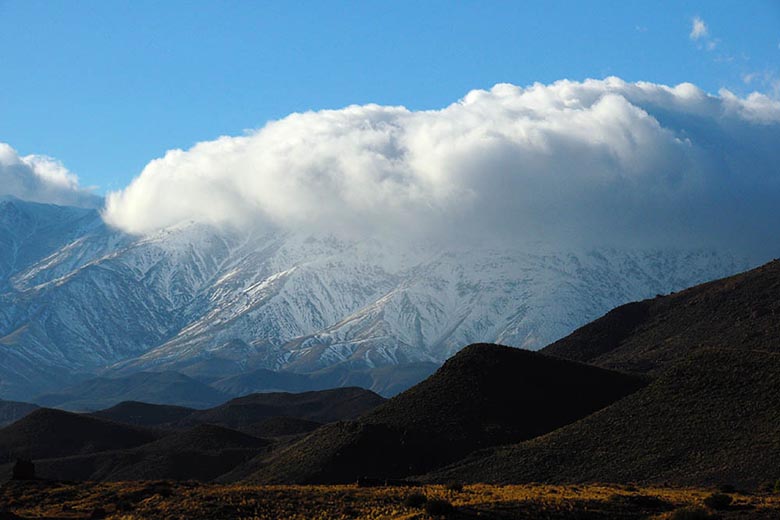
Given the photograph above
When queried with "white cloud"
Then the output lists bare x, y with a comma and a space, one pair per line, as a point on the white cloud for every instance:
41, 179
599, 161
698, 29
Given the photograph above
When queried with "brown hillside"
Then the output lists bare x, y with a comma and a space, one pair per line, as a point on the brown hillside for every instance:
740, 312
712, 419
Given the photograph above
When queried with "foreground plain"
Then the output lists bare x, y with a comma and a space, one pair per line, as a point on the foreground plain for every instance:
183, 500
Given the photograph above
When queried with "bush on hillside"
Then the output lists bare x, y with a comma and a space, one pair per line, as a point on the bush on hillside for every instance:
415, 500
718, 501
690, 513
23, 470
439, 507
454, 486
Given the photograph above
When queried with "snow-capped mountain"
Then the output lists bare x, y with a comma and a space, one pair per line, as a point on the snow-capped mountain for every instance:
79, 297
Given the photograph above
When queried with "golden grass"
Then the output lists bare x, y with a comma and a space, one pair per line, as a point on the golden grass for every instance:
166, 500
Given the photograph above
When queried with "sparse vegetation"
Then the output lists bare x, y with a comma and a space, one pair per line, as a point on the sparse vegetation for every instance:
170, 500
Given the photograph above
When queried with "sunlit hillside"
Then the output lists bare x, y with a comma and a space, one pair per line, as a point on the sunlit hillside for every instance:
167, 500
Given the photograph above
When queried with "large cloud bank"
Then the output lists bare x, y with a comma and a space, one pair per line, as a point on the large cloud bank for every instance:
601, 162
41, 179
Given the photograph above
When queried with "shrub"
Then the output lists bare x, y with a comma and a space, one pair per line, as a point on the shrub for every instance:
98, 513
455, 486
718, 501
640, 501
727, 488
415, 500
439, 507
23, 470
776, 487
690, 513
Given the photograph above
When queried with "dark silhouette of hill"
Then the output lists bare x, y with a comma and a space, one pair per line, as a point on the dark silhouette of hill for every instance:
144, 414
485, 395
386, 380
710, 419
207, 443
47, 433
740, 312
270, 415
149, 387
248, 413
201, 453
12, 411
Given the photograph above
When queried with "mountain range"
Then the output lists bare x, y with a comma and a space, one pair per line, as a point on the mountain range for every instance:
79, 299
679, 389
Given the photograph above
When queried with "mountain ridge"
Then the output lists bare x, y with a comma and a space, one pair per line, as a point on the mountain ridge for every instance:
94, 300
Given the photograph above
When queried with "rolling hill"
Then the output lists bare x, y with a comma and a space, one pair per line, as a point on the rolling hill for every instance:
119, 444
485, 395
256, 413
47, 433
145, 414
201, 453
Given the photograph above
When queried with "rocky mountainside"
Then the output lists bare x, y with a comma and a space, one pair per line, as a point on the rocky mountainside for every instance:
78, 298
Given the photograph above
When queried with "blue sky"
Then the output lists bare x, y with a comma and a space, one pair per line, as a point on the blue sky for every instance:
107, 86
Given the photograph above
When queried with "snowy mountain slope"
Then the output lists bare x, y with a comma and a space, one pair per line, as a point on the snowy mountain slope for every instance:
30, 232
78, 297
341, 303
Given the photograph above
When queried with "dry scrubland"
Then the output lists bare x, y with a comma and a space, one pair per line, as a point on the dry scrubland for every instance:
165, 500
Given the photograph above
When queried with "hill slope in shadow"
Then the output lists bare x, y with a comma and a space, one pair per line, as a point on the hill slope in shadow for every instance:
201, 453
258, 413
47, 433
710, 419
145, 414
483, 396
